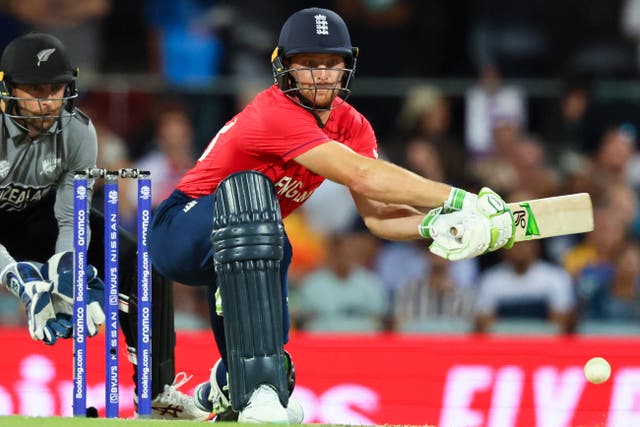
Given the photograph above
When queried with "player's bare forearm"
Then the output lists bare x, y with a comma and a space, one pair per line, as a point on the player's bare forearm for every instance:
373, 208
386, 182
389, 221
375, 179
405, 228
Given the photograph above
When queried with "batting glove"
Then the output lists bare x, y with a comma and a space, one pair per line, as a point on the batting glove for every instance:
25, 281
459, 200
59, 270
503, 228
483, 224
457, 235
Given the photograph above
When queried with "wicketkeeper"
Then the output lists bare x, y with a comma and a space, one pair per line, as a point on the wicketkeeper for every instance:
44, 139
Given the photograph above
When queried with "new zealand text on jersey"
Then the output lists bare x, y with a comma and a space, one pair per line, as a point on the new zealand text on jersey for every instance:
15, 197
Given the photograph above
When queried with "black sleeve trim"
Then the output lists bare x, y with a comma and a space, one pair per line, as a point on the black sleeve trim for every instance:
305, 144
82, 116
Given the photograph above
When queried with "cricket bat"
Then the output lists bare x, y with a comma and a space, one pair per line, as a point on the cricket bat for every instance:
552, 216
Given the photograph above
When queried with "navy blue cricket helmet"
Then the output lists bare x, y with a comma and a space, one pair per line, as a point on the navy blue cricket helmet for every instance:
313, 30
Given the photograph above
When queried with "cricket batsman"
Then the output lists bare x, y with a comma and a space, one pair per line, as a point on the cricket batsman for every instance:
222, 226
44, 140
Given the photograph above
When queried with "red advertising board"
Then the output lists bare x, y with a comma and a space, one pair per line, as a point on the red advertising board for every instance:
448, 381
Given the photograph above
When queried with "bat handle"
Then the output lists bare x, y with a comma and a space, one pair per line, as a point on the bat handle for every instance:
456, 231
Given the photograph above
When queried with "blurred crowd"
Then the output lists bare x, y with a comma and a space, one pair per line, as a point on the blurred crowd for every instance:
493, 134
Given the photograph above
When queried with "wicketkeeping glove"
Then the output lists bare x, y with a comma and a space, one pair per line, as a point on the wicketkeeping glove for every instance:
25, 281
59, 271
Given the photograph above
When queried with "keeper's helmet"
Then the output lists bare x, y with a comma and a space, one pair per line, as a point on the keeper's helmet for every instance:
37, 59
313, 30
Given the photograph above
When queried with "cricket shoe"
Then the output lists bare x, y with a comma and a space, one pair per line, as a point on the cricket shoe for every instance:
264, 407
172, 404
210, 397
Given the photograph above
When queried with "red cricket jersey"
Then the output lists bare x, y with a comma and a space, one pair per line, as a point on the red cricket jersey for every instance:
266, 136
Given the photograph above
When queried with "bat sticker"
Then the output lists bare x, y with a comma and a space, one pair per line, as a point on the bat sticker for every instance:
525, 218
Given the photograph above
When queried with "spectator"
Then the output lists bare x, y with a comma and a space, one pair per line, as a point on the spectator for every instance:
624, 199
624, 294
533, 175
491, 103
426, 117
423, 158
524, 286
342, 296
608, 174
400, 264
113, 154
610, 290
599, 246
364, 245
496, 168
438, 296
172, 151
606, 269
611, 158
309, 247
330, 209
426, 112
563, 122
183, 47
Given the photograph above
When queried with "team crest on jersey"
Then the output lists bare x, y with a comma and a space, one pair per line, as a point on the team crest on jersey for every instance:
4, 168
49, 166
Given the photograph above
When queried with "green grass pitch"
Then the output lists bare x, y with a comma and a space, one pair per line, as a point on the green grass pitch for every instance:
19, 421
